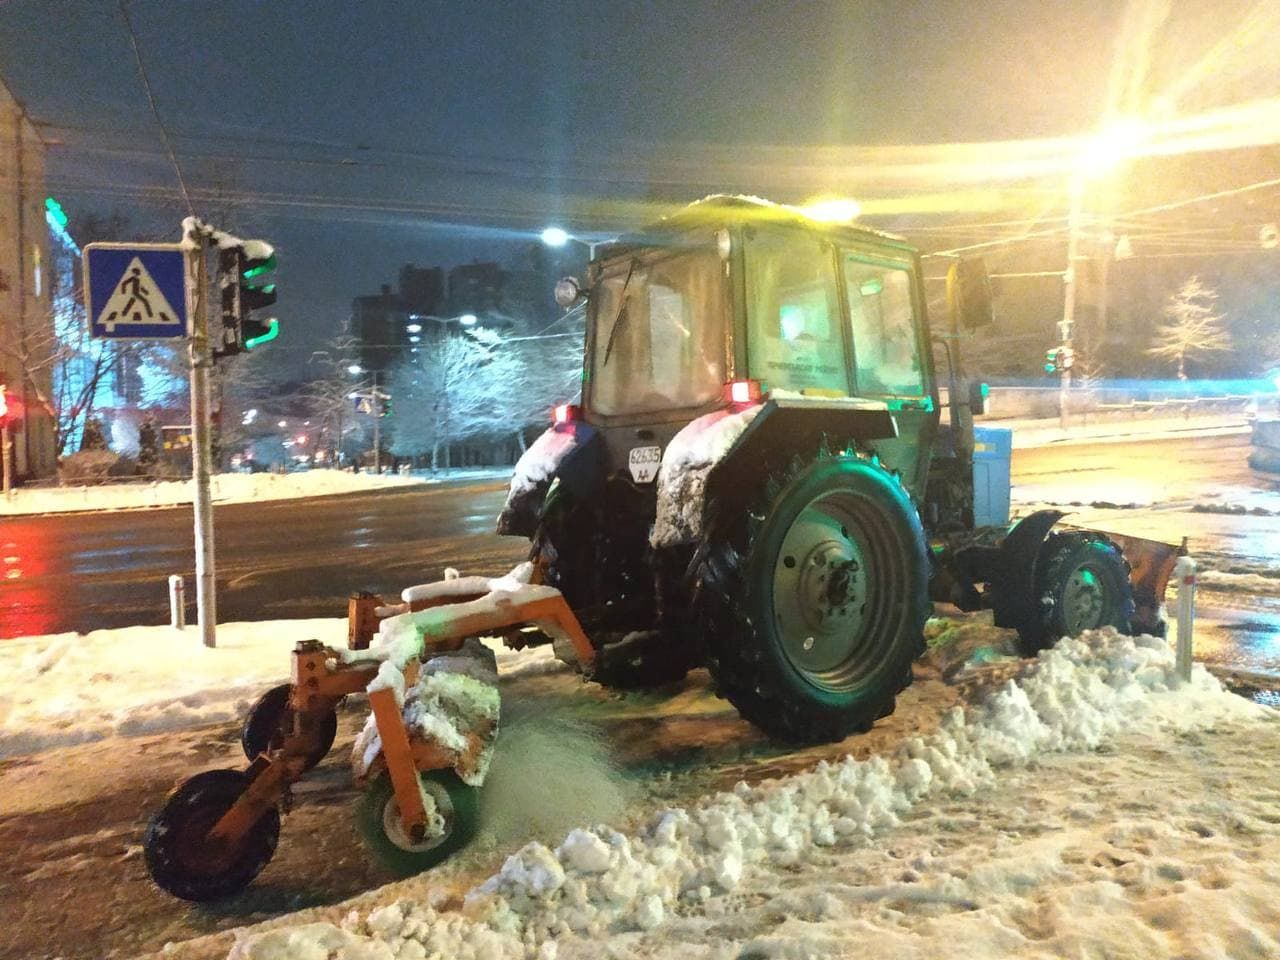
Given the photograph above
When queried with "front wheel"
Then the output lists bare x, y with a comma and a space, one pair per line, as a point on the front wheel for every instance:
452, 806
1082, 582
180, 857
814, 599
270, 721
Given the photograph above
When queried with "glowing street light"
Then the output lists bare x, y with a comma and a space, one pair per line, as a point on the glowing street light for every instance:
414, 328
467, 319
832, 209
555, 237
354, 369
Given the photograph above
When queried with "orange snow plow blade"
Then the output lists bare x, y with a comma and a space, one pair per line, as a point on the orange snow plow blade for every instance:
1150, 567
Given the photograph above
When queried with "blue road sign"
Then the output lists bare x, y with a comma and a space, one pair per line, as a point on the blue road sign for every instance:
136, 291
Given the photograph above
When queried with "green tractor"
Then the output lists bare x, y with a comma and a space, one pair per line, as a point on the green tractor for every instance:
762, 478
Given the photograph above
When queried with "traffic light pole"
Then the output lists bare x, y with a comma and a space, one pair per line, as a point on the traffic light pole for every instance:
201, 358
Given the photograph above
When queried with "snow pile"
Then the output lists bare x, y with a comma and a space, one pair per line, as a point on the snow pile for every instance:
540, 461
454, 701
225, 488
600, 882
686, 462
68, 688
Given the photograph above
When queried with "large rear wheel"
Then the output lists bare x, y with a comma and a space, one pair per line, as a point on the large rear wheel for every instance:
814, 599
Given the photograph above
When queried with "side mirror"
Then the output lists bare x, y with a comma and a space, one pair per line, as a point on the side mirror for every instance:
978, 398
969, 293
568, 292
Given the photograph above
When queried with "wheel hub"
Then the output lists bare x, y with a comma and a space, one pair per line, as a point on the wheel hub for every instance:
1084, 601
819, 591
439, 812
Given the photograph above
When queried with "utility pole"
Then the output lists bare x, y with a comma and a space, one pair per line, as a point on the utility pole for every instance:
1066, 325
201, 459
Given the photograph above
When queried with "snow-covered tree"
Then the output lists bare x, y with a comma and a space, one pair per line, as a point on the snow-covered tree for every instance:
455, 389
1191, 326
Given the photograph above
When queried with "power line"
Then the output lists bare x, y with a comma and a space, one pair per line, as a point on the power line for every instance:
155, 111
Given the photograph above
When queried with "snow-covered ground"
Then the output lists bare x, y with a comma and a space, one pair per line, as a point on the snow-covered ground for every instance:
1001, 834
72, 688
227, 488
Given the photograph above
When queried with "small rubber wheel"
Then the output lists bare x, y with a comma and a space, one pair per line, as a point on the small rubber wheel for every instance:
179, 857
378, 819
271, 718
1082, 581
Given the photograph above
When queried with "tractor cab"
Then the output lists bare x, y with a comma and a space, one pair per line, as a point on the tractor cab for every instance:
733, 294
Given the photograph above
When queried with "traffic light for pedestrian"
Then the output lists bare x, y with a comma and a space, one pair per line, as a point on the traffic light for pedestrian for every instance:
244, 273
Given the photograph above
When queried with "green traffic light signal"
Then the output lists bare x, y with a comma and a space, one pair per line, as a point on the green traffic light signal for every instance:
261, 333
256, 268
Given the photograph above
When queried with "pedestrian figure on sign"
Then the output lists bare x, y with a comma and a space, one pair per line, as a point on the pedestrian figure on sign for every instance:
138, 294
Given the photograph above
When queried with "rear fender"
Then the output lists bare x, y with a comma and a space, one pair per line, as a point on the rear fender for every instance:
573, 454
723, 454
1012, 576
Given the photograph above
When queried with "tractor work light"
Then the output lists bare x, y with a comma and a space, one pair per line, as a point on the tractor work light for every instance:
743, 391
566, 413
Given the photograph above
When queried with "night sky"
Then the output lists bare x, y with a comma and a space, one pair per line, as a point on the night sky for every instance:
362, 136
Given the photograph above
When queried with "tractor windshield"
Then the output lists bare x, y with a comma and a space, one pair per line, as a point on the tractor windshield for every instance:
658, 322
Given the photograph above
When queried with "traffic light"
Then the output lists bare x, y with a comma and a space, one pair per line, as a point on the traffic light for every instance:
1058, 358
244, 275
384, 406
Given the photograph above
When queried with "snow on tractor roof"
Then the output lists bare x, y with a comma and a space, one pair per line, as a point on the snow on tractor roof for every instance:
726, 206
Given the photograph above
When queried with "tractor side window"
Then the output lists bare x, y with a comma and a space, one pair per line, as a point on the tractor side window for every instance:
793, 314
886, 346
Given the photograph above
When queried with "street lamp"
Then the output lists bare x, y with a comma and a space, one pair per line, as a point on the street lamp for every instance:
354, 369
467, 319
1100, 154
558, 237
555, 237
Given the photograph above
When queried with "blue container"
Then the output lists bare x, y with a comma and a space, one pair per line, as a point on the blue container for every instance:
992, 453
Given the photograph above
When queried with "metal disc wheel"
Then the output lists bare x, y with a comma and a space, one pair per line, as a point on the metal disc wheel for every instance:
179, 854
1082, 580
814, 599
271, 718
452, 809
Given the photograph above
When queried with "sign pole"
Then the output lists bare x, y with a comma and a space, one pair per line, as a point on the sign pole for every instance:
201, 458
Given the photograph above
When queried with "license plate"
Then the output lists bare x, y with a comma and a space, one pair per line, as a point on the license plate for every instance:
644, 463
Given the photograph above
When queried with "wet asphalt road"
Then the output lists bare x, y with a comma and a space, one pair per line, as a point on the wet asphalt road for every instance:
276, 559
286, 559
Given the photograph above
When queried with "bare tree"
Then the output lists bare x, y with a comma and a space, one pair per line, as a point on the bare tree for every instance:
1191, 327
327, 394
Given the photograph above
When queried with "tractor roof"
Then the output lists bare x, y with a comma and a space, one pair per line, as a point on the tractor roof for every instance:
720, 209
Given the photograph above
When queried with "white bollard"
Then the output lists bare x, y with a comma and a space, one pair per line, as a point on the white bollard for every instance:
1185, 572
177, 603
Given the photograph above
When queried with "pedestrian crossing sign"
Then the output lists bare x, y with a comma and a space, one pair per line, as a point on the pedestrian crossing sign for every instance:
136, 291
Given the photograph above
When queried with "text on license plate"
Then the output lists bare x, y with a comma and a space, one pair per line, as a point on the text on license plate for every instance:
644, 462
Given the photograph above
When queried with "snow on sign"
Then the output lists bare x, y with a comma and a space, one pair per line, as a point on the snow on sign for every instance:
136, 291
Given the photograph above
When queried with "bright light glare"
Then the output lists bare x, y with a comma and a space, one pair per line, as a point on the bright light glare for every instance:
283, 423
554, 237
355, 368
1119, 141
414, 328
832, 209
467, 319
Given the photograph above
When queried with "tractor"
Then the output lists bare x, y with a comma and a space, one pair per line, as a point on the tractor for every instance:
762, 476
